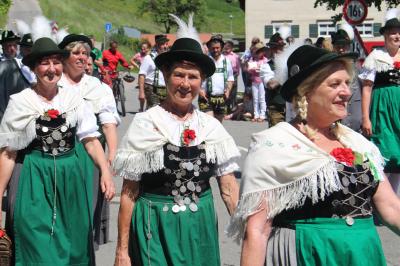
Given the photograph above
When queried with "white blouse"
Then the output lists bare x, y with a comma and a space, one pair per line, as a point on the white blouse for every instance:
86, 125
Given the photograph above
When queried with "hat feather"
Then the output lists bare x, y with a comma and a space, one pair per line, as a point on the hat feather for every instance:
22, 27
41, 28
348, 29
61, 33
281, 70
186, 30
391, 13
285, 31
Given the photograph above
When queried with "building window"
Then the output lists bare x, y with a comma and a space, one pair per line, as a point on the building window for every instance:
366, 29
325, 29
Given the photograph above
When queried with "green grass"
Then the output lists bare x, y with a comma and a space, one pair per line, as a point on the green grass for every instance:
4, 6
89, 17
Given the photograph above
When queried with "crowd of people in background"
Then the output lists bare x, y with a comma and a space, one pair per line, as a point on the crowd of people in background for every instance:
308, 177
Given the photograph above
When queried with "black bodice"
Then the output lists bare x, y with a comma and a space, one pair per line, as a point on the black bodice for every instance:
185, 177
354, 200
390, 77
53, 136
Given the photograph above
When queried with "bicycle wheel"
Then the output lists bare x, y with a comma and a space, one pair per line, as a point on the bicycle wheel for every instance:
121, 98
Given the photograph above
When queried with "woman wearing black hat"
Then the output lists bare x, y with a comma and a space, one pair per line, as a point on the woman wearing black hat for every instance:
102, 103
166, 159
381, 98
308, 186
49, 217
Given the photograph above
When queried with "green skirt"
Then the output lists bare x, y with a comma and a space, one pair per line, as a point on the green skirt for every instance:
42, 238
385, 119
330, 241
165, 238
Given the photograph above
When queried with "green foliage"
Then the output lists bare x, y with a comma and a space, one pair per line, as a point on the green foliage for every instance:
159, 10
4, 7
333, 4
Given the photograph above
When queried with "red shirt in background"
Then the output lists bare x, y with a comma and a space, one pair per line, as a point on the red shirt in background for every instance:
113, 58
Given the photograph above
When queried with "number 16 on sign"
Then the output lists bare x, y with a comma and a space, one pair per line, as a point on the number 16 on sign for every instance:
355, 11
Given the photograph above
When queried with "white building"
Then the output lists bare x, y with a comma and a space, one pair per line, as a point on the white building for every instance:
263, 18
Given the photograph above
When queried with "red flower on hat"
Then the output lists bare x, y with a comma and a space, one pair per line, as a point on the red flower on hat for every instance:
396, 65
188, 135
344, 155
52, 113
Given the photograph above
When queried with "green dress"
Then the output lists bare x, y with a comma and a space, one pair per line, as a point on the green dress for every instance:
174, 221
51, 222
385, 118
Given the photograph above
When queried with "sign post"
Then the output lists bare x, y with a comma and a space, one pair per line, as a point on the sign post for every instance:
107, 29
355, 12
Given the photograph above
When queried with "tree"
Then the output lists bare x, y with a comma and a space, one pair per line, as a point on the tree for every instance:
159, 10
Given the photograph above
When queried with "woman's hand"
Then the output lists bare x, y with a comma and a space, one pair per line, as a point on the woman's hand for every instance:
107, 185
367, 127
122, 258
7, 163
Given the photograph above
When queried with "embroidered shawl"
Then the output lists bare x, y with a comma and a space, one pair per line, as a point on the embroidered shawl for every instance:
283, 168
379, 61
141, 149
17, 128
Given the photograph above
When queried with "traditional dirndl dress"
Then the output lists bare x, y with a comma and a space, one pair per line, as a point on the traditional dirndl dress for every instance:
336, 231
50, 220
174, 221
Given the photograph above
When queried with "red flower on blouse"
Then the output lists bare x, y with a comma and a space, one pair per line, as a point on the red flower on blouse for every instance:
2, 233
188, 136
396, 65
344, 155
52, 113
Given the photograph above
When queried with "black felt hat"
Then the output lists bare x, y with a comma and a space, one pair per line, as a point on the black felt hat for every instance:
276, 41
190, 50
75, 38
26, 40
303, 62
43, 47
8, 36
390, 24
161, 39
216, 38
340, 38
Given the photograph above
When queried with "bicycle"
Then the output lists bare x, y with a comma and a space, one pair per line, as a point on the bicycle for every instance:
118, 89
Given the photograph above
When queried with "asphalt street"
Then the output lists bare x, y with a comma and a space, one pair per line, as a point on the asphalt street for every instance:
230, 251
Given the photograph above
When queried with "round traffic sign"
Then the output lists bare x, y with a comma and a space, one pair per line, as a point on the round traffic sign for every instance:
355, 11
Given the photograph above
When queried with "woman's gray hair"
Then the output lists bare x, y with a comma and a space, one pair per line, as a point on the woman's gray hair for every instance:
299, 101
78, 44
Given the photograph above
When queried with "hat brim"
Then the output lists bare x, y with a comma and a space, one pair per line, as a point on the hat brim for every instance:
32, 58
382, 29
276, 44
74, 38
203, 61
289, 88
12, 39
162, 41
215, 40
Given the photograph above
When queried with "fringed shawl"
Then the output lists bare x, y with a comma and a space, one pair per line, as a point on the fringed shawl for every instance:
283, 168
17, 128
379, 61
141, 149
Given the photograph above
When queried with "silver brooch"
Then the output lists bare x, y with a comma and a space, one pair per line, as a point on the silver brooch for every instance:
294, 70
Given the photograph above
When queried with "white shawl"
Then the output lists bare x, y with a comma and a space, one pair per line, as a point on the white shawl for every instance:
379, 61
17, 128
141, 149
283, 168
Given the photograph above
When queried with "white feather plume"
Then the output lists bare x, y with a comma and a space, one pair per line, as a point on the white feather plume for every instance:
348, 29
22, 27
186, 30
61, 33
281, 71
285, 31
391, 13
41, 28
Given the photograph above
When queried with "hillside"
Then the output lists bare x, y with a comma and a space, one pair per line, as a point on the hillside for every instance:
89, 16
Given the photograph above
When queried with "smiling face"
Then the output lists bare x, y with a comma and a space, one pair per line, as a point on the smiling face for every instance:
49, 70
183, 84
76, 62
327, 103
392, 37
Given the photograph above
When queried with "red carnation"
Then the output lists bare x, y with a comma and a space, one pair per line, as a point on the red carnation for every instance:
188, 136
396, 65
52, 113
2, 233
344, 155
